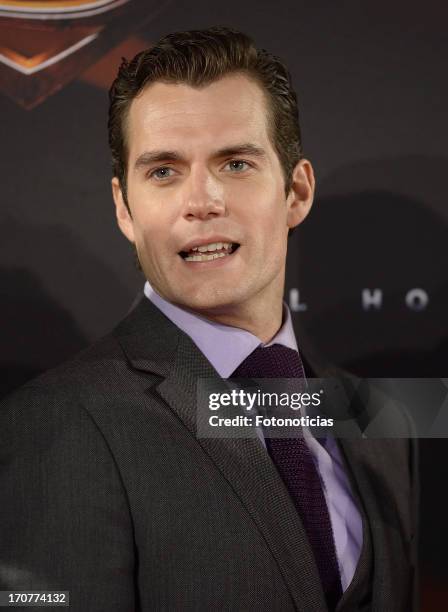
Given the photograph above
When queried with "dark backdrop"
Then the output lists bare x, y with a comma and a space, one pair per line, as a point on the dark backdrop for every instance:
371, 79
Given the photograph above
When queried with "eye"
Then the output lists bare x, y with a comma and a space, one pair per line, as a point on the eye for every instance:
238, 165
161, 173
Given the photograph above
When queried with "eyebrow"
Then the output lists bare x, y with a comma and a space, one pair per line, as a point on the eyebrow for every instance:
150, 157
241, 149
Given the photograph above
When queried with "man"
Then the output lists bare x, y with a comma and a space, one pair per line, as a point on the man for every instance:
111, 494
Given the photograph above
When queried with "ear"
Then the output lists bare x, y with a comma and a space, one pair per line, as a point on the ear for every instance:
124, 219
301, 195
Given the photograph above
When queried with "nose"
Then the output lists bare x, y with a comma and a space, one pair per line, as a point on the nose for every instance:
203, 196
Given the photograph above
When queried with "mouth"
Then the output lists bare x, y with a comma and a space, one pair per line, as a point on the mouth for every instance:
210, 252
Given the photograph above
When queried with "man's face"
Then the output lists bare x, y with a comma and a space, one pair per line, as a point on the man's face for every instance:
202, 173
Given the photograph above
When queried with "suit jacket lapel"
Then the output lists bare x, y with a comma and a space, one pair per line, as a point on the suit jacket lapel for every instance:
372, 468
152, 343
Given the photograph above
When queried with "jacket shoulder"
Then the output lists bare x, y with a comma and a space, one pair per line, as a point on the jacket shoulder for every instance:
100, 367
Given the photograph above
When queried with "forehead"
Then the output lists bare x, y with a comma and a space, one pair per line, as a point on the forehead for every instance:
177, 115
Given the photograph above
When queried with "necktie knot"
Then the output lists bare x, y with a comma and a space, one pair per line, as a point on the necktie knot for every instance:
275, 361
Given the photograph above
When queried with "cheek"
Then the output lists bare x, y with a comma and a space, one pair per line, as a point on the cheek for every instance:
148, 221
261, 202
154, 239
145, 239
274, 222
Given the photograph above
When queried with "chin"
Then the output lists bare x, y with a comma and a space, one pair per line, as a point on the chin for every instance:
210, 302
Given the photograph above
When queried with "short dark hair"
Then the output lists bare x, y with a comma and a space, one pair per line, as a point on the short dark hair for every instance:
197, 58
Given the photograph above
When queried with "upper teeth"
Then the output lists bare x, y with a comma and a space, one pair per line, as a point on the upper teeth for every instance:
213, 246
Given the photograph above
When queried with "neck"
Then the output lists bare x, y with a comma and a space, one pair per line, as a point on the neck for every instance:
258, 318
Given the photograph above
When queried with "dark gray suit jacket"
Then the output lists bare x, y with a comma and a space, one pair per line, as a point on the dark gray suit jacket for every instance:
108, 493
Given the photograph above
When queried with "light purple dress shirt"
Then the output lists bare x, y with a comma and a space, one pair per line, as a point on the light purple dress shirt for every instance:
226, 348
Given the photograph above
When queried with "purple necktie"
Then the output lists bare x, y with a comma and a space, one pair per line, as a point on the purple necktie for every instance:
295, 465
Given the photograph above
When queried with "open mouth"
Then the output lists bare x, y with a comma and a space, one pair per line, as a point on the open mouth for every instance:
208, 252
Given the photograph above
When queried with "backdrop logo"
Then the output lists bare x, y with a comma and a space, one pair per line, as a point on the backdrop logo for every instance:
56, 9
45, 44
415, 299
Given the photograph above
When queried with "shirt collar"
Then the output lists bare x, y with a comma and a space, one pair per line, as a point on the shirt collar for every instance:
226, 347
